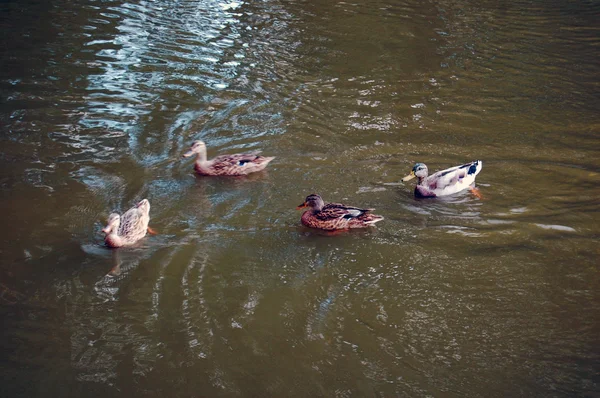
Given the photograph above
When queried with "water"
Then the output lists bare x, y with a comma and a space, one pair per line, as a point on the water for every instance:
456, 297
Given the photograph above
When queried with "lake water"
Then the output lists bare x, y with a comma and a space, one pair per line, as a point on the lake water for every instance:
450, 297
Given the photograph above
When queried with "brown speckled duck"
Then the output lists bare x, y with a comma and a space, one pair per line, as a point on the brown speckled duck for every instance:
127, 229
238, 164
445, 182
335, 216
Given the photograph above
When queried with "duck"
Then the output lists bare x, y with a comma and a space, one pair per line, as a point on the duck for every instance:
238, 164
127, 229
335, 216
445, 182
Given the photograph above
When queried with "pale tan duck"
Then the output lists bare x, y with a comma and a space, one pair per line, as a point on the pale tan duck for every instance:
335, 216
238, 164
127, 229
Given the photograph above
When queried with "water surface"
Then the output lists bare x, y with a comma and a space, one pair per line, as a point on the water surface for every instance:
456, 297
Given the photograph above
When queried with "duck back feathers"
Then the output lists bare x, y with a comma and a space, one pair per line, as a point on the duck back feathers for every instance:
233, 165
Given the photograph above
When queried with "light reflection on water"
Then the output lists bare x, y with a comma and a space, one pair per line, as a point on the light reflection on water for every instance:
454, 296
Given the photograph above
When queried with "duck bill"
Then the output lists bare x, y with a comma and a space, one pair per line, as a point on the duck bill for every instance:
107, 230
187, 154
409, 177
302, 206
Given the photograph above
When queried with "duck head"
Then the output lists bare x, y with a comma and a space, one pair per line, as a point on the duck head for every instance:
197, 147
313, 201
419, 170
112, 224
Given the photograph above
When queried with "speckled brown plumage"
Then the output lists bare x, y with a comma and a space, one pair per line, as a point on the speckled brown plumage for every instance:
127, 229
226, 165
334, 216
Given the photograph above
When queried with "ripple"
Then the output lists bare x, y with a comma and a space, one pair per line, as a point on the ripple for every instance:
101, 101
563, 228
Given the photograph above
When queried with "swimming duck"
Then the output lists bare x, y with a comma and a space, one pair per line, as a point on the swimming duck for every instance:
226, 165
333, 216
127, 229
445, 182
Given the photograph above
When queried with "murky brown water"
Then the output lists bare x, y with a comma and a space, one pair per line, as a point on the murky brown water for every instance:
455, 297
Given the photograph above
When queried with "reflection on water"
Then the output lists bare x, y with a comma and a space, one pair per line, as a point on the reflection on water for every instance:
456, 296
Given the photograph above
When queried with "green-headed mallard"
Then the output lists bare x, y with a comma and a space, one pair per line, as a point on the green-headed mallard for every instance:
445, 182
238, 164
334, 216
127, 229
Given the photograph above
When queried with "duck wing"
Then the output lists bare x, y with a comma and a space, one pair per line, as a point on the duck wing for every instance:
238, 164
133, 221
332, 211
238, 159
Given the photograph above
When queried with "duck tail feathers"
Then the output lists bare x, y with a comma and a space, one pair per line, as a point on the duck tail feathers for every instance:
373, 219
476, 167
